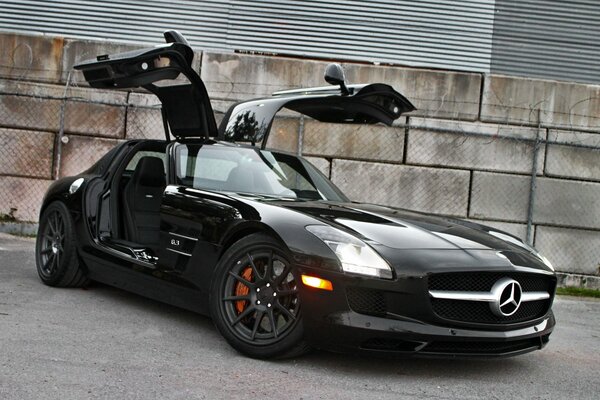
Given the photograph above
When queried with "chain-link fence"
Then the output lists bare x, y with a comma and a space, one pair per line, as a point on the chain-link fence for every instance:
538, 183
537, 177
48, 132
522, 176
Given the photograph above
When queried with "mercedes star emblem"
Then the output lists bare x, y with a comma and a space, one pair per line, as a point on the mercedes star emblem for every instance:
507, 297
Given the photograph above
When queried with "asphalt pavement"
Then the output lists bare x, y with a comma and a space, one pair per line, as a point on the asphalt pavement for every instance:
104, 343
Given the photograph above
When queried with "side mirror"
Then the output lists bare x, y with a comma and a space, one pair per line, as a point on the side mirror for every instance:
334, 75
175, 37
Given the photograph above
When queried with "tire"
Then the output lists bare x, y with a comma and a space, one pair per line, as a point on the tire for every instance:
254, 300
56, 249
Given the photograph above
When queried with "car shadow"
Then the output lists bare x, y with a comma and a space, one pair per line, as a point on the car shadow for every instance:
361, 366
155, 309
365, 366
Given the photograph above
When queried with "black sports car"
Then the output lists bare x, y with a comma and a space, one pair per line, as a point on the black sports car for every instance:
264, 243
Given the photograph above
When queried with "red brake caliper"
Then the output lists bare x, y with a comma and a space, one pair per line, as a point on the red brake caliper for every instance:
243, 290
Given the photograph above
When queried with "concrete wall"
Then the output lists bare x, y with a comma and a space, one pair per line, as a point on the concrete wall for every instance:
466, 152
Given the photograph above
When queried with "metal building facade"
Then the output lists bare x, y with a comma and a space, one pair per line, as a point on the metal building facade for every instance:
430, 33
558, 39
539, 38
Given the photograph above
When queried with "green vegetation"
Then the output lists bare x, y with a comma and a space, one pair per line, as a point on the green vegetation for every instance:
573, 291
25, 235
10, 217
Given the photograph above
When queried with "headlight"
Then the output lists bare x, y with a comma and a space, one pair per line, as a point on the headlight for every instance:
75, 185
356, 256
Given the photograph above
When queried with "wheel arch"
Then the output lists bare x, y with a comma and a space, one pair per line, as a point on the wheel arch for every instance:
288, 229
243, 230
59, 191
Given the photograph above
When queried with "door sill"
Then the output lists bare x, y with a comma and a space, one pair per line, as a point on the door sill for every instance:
137, 251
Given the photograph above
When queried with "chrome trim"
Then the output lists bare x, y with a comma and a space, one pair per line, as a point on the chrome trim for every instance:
123, 255
179, 252
483, 296
183, 236
456, 295
534, 296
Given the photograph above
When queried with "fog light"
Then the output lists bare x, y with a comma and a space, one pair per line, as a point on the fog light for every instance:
318, 283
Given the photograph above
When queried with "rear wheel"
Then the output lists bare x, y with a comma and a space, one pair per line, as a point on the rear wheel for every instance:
255, 302
56, 249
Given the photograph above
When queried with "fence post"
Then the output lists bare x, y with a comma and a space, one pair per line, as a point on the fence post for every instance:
533, 183
61, 130
300, 135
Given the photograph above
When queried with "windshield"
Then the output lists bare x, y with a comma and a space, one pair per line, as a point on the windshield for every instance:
251, 170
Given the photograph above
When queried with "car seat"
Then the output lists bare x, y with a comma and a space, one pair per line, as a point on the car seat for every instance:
143, 196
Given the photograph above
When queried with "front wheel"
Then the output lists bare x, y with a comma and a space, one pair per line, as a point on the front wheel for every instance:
254, 299
56, 249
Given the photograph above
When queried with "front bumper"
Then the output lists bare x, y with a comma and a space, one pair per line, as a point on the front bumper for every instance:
330, 323
353, 332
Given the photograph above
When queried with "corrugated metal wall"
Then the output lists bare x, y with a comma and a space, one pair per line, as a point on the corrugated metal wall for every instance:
434, 33
556, 39
203, 22
431, 33
538, 38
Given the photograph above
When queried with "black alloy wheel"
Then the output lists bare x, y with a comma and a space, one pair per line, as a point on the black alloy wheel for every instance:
255, 300
52, 247
56, 249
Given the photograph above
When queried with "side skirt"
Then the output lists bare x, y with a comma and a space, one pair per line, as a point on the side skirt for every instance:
147, 286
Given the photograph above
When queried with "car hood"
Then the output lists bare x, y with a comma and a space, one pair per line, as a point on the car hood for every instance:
415, 242
403, 229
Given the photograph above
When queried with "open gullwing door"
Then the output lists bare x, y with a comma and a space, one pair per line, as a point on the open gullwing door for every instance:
186, 107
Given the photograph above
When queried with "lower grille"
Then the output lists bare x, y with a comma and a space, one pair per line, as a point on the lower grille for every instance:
481, 347
480, 312
390, 345
367, 301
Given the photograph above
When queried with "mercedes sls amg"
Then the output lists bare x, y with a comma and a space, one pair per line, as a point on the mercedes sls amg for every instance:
212, 221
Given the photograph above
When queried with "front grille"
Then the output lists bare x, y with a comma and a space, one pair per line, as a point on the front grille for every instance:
481, 347
480, 312
483, 281
367, 301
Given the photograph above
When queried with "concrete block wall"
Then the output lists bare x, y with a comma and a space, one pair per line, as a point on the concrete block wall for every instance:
34, 72
420, 163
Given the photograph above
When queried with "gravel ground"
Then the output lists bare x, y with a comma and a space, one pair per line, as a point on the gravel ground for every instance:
106, 343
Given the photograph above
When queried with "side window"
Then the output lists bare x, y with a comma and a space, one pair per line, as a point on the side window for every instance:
137, 156
203, 167
247, 170
213, 169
